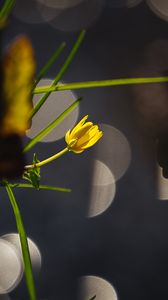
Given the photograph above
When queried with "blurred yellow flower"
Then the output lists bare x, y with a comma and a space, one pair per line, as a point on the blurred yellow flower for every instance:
83, 136
18, 72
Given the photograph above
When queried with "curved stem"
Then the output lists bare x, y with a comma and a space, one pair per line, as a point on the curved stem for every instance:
23, 241
48, 160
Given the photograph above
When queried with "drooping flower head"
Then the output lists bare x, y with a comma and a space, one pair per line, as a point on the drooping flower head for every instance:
84, 135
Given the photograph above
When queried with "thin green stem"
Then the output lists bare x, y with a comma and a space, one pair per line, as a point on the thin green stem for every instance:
48, 160
49, 63
50, 127
5, 11
23, 241
41, 187
60, 73
101, 83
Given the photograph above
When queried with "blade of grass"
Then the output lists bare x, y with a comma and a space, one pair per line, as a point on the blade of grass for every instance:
94, 297
60, 73
41, 187
6, 9
101, 83
51, 126
49, 63
23, 241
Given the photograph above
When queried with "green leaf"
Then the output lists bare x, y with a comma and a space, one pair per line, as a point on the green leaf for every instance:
60, 73
41, 187
23, 241
99, 83
49, 63
33, 175
5, 11
50, 127
94, 297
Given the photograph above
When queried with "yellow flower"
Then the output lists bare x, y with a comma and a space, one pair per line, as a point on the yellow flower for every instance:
18, 72
83, 136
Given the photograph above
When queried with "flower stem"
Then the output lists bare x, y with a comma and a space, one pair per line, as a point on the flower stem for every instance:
23, 241
49, 63
60, 73
51, 126
41, 187
99, 83
48, 160
5, 10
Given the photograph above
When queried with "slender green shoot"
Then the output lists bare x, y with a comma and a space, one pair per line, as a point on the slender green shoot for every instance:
47, 160
51, 126
101, 83
41, 187
49, 63
94, 297
5, 11
60, 73
24, 244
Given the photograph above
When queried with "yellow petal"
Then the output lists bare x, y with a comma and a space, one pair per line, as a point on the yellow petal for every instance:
82, 130
79, 125
72, 143
94, 130
77, 151
87, 136
83, 140
83, 136
93, 140
82, 121
67, 137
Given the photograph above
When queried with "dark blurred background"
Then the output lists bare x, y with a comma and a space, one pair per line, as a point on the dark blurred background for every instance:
109, 235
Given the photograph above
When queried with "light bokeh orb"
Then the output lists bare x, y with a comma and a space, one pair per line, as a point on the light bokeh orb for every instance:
32, 12
11, 270
56, 103
113, 150
159, 7
103, 188
90, 286
162, 185
123, 3
35, 254
78, 17
60, 4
